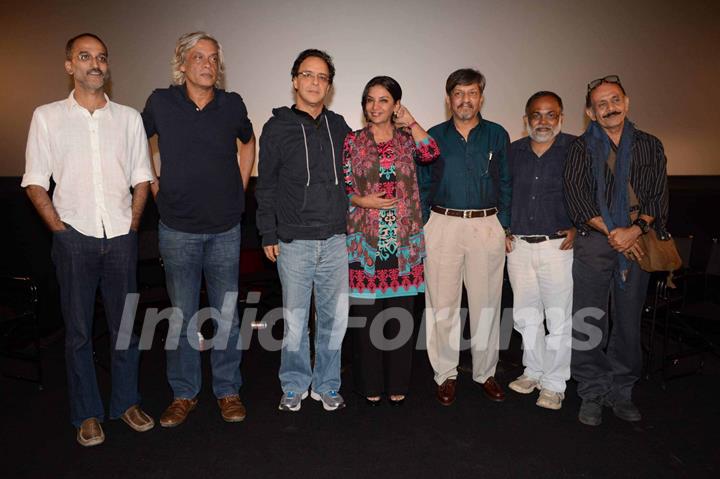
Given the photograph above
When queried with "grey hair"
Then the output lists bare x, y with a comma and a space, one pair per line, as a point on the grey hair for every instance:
184, 44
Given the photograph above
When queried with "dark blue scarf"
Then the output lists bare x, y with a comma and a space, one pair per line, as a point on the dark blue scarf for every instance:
617, 215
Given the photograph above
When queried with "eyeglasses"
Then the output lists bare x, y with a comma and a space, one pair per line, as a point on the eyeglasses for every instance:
608, 79
86, 57
550, 116
308, 75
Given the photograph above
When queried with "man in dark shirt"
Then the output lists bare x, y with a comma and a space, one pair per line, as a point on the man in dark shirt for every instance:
302, 208
539, 259
615, 188
201, 201
468, 191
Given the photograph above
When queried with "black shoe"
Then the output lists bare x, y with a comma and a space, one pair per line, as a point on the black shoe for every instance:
627, 411
373, 402
591, 412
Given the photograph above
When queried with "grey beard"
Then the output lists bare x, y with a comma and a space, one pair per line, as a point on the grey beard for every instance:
543, 137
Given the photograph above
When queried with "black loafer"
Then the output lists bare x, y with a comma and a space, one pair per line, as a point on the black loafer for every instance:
627, 411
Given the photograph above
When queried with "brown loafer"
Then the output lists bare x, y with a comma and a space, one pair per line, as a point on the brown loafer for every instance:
90, 433
446, 392
231, 409
177, 412
493, 390
137, 419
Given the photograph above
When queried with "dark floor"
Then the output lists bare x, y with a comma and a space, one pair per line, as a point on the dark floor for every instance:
678, 437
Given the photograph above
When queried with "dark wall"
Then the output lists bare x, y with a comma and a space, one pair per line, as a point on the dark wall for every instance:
25, 242
694, 211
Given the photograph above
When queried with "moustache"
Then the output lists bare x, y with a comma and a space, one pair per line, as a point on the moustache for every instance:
612, 113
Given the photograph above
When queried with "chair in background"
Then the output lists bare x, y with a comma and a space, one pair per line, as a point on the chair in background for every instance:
670, 311
20, 325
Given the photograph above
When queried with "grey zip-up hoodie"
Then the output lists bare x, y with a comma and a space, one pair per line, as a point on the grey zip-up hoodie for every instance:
300, 187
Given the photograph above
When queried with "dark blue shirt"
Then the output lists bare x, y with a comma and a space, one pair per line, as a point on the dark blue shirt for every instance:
472, 174
538, 205
201, 188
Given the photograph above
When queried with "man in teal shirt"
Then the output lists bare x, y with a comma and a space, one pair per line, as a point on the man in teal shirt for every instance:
466, 201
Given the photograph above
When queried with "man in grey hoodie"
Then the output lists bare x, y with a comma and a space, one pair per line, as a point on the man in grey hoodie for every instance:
301, 216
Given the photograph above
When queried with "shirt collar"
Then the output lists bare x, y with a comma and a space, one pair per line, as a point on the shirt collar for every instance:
217, 100
106, 110
303, 114
451, 126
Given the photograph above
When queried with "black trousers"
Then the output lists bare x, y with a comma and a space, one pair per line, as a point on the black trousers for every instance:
382, 349
607, 356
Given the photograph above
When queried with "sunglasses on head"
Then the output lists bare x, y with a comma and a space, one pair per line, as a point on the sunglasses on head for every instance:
608, 79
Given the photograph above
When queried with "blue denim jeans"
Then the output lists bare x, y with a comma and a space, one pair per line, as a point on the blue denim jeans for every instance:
305, 266
84, 263
186, 257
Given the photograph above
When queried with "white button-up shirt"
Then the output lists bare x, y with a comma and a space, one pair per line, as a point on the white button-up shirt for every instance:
94, 160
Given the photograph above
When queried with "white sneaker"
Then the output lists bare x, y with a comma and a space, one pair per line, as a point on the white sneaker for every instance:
524, 385
550, 399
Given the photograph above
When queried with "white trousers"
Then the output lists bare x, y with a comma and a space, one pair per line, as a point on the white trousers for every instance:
469, 250
541, 279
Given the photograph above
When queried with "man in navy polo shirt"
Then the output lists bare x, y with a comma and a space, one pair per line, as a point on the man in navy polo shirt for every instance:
540, 255
201, 200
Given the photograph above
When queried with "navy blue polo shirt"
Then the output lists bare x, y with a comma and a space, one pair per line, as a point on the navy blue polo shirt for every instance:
201, 188
538, 203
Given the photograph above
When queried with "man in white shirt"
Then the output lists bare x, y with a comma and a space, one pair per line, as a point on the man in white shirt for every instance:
95, 150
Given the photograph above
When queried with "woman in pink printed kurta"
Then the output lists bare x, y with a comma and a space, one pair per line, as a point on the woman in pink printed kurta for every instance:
385, 237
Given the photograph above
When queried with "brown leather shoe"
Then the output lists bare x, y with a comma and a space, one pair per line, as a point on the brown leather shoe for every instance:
90, 433
137, 419
446, 392
493, 390
177, 412
231, 409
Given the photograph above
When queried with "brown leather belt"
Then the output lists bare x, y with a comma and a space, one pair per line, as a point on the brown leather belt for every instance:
465, 213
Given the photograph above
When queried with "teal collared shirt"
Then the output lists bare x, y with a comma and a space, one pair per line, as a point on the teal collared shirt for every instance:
472, 174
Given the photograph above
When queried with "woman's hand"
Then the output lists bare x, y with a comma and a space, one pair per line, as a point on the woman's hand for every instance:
403, 118
374, 200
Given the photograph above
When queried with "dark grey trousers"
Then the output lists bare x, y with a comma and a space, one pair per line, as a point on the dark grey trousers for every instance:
607, 356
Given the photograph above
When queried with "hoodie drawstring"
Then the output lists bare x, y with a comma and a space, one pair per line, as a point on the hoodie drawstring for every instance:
332, 146
307, 156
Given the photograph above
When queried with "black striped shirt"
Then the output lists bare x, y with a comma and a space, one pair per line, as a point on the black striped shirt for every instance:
648, 178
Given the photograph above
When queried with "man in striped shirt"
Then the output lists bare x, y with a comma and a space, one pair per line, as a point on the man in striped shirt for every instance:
615, 189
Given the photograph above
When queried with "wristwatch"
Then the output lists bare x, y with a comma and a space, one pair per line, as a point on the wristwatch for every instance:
642, 224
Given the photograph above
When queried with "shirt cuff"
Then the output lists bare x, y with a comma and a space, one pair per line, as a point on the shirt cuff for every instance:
36, 179
269, 238
141, 177
586, 216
